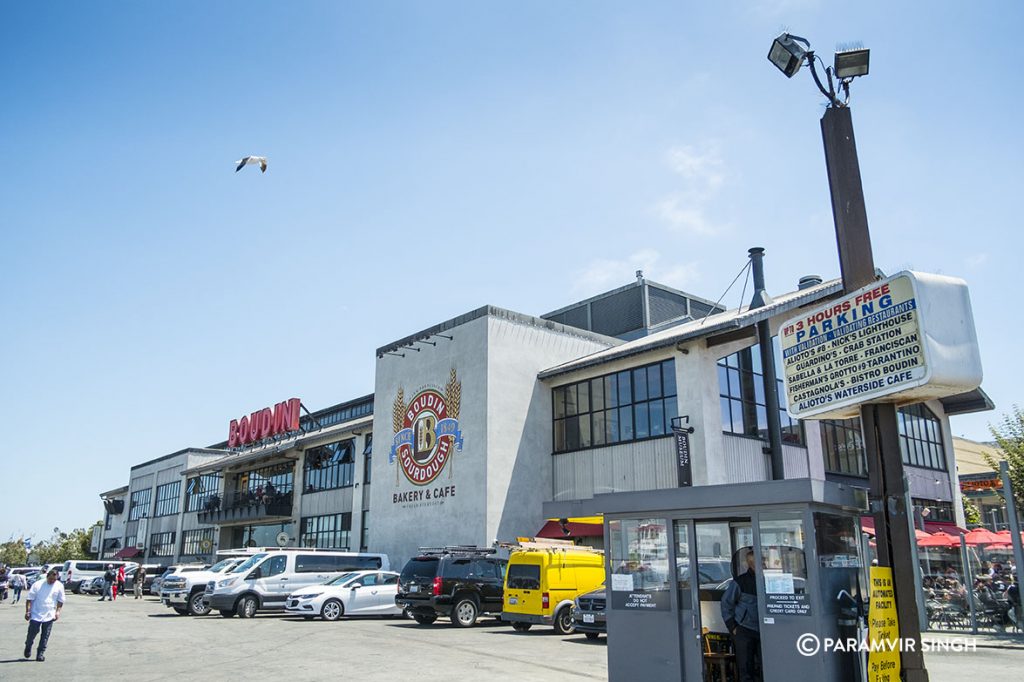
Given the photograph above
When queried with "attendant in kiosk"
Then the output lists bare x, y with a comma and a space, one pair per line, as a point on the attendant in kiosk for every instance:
739, 610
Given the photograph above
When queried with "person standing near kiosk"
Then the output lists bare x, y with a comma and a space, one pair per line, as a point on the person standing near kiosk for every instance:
739, 609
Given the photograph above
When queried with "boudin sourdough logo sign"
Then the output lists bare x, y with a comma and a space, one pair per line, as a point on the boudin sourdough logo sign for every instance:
426, 431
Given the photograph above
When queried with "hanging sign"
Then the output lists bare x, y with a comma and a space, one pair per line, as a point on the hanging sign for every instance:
684, 466
901, 340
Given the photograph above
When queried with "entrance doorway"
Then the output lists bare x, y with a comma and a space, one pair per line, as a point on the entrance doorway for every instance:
706, 551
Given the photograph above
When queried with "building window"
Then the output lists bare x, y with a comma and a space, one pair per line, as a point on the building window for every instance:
634, 404
326, 532
365, 534
843, 445
933, 510
199, 490
197, 542
368, 456
742, 397
167, 499
139, 506
130, 540
921, 438
106, 522
921, 445
161, 544
273, 482
329, 466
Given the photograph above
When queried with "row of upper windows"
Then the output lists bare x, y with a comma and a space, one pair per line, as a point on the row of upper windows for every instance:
640, 403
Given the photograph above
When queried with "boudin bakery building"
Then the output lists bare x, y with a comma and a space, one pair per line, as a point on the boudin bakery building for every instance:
486, 426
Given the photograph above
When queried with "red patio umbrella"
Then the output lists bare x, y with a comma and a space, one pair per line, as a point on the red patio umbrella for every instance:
982, 536
939, 539
920, 534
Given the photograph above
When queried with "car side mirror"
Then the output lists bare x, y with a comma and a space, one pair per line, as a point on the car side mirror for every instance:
355, 585
255, 575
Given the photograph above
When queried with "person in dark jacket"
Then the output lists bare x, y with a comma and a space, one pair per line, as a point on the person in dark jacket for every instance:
739, 609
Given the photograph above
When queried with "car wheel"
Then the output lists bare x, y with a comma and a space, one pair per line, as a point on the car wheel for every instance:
465, 612
424, 620
196, 606
247, 607
563, 622
520, 626
592, 636
227, 614
332, 610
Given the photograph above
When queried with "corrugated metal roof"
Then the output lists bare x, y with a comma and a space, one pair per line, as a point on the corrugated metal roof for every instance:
737, 318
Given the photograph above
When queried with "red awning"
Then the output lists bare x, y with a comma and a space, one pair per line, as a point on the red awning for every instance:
552, 529
127, 553
867, 525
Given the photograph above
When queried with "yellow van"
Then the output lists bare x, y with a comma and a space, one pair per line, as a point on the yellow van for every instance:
544, 577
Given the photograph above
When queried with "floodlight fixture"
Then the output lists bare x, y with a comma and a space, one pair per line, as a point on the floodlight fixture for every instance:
787, 54
851, 63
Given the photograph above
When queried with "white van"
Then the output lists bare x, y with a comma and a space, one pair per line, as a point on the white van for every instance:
265, 579
75, 571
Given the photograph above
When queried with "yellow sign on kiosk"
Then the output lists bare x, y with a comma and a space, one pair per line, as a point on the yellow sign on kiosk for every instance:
883, 628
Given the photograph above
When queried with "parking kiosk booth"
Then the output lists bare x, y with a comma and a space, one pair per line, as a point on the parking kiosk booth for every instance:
672, 553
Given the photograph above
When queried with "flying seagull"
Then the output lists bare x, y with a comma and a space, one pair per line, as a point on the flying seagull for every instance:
253, 160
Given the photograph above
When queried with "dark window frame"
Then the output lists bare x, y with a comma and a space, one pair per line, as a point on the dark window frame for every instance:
741, 397
168, 499
138, 508
162, 544
209, 485
632, 405
329, 531
320, 473
842, 447
191, 541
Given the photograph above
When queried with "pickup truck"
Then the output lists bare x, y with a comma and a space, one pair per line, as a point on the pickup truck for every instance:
183, 592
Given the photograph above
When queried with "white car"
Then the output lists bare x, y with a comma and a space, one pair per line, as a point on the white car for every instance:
360, 593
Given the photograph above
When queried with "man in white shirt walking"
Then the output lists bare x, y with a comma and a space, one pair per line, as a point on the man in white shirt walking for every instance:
42, 609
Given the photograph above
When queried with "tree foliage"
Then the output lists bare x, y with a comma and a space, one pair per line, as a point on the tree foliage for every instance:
972, 515
1009, 435
58, 549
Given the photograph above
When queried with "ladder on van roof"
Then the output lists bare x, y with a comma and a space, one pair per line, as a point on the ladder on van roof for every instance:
547, 544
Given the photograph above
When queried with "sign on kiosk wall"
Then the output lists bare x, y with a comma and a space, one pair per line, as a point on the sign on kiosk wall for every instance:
903, 339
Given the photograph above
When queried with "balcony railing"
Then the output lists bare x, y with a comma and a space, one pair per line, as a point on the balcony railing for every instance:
247, 506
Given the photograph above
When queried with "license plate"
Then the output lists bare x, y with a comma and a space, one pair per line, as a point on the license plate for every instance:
414, 588
588, 618
513, 600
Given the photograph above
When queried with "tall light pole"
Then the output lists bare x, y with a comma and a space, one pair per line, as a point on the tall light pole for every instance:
888, 487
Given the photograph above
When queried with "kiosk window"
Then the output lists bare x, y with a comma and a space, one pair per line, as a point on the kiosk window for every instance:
639, 564
838, 545
783, 564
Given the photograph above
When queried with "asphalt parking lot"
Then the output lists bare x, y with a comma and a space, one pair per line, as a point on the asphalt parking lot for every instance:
144, 640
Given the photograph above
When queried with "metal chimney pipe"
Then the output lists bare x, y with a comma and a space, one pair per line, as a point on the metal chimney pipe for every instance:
764, 341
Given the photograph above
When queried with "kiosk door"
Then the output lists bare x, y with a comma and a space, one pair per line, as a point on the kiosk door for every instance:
704, 557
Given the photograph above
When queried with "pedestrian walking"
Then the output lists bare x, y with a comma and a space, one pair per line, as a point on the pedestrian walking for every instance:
18, 583
120, 579
138, 580
42, 609
3, 584
109, 576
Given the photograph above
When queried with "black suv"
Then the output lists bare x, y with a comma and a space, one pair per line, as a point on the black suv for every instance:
457, 582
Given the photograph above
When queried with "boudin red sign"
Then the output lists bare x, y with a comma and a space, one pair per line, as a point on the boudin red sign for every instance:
284, 417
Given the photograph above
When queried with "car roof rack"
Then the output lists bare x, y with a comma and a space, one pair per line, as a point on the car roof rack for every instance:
457, 549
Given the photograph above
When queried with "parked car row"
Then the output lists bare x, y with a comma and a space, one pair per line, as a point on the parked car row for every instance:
546, 582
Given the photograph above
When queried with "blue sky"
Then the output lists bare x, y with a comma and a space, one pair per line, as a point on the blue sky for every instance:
429, 158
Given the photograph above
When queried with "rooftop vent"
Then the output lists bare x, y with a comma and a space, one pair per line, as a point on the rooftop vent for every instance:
808, 281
